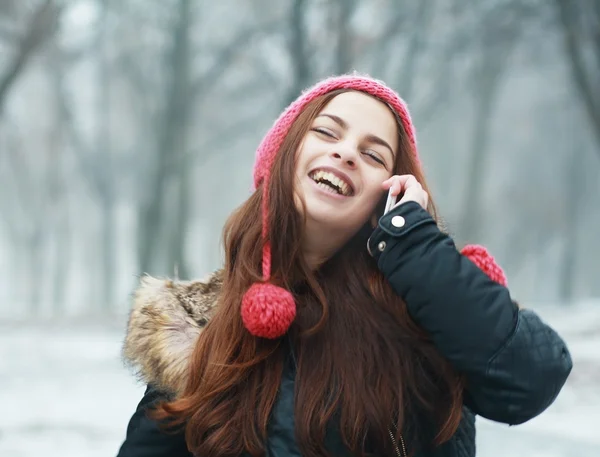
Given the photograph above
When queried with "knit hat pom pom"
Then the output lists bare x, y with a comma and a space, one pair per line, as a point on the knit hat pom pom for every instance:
484, 260
268, 310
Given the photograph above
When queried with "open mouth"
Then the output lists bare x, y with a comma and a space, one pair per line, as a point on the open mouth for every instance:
332, 183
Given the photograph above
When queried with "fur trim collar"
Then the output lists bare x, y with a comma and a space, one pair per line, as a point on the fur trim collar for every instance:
164, 324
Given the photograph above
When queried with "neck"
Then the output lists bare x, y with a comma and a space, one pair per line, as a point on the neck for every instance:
321, 243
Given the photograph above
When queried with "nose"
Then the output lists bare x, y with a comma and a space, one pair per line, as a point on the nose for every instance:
345, 154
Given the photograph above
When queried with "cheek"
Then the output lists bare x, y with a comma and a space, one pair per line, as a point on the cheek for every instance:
374, 188
374, 193
303, 150
367, 205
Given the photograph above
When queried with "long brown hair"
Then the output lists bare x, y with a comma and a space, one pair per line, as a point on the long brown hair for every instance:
362, 364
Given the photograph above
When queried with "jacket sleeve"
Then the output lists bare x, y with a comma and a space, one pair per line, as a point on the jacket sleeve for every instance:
144, 437
515, 364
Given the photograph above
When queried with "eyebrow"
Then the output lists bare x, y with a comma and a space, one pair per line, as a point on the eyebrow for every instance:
370, 137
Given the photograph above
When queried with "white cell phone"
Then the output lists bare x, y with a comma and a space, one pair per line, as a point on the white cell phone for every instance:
391, 201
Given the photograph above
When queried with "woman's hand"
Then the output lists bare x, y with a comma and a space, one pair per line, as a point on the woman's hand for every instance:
410, 187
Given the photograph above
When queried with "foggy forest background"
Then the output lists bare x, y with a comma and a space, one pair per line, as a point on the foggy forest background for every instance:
128, 130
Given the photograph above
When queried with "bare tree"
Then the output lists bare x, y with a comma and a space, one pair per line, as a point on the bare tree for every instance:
574, 211
404, 45
344, 9
103, 173
499, 27
41, 25
95, 157
178, 233
183, 164
31, 182
380, 49
171, 128
298, 50
24, 217
59, 221
416, 47
580, 24
173, 164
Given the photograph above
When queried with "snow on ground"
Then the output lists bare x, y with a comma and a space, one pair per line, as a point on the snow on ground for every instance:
64, 392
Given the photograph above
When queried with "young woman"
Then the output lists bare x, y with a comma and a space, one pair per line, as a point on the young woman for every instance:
334, 329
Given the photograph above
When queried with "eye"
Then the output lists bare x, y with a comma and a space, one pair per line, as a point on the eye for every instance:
374, 156
324, 131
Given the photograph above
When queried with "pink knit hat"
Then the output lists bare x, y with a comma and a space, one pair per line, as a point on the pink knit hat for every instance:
268, 310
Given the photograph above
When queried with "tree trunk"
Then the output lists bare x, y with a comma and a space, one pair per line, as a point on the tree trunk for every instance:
343, 56
61, 266
41, 24
586, 80
469, 224
414, 51
177, 257
60, 213
104, 149
35, 256
107, 255
172, 127
297, 40
575, 190
497, 43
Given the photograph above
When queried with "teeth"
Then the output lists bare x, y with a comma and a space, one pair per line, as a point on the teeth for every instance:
344, 187
324, 175
326, 187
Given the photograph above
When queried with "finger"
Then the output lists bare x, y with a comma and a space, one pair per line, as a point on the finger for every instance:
388, 183
411, 182
408, 196
397, 187
417, 195
407, 184
401, 179
393, 188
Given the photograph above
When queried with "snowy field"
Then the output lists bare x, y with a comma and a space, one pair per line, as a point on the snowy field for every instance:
64, 392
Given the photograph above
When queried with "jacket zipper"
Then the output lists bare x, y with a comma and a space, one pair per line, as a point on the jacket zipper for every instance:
398, 453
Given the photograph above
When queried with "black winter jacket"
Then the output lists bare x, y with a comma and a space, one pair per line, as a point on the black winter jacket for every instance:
515, 365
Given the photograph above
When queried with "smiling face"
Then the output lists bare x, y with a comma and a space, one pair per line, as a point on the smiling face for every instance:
343, 160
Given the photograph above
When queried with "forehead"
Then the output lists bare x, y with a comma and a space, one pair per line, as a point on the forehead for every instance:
366, 114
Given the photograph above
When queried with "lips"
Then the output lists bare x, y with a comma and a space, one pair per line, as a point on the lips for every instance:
333, 179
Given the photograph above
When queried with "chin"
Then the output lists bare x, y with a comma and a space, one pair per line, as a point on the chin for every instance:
328, 219
321, 216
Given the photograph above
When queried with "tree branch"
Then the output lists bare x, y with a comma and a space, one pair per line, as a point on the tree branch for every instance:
21, 177
584, 86
82, 151
392, 28
205, 82
414, 52
197, 156
42, 24
8, 35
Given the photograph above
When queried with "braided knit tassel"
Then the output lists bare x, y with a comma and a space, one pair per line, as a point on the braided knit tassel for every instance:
267, 310
485, 261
